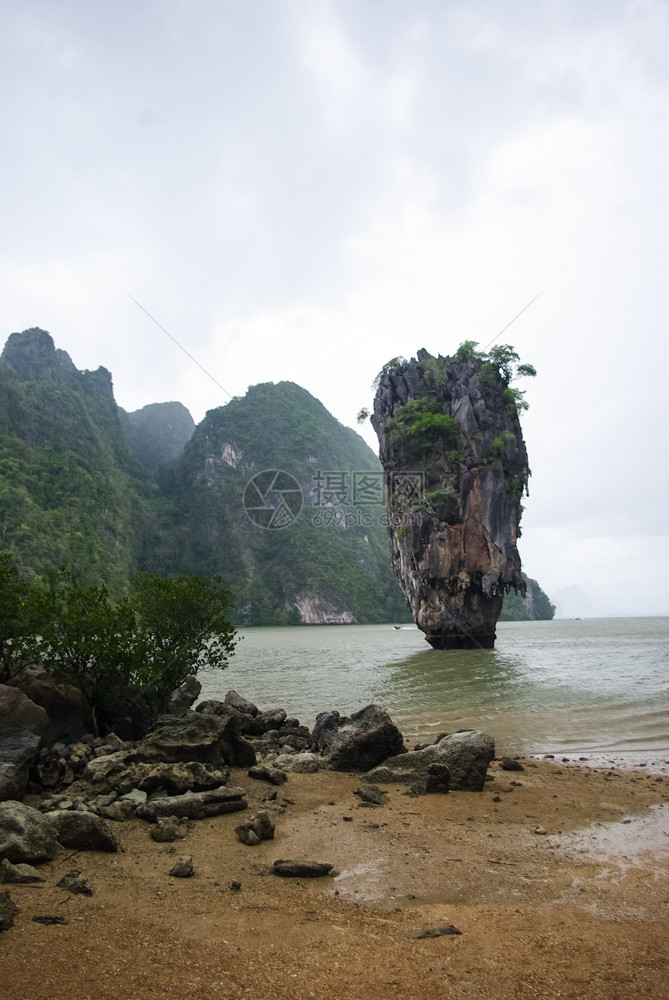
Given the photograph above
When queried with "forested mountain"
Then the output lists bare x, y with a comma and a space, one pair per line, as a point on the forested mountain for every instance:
270, 491
535, 606
70, 491
157, 433
330, 560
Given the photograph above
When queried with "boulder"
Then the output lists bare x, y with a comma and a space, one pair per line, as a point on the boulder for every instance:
195, 805
18, 712
125, 770
64, 704
466, 755
8, 910
25, 834
209, 739
298, 763
359, 742
18, 750
21, 874
82, 831
238, 704
185, 696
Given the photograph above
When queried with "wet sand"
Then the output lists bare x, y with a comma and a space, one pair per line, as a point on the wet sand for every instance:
580, 911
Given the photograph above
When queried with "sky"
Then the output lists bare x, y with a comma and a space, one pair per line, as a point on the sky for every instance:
304, 189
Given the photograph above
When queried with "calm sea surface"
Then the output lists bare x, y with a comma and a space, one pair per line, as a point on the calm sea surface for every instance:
597, 686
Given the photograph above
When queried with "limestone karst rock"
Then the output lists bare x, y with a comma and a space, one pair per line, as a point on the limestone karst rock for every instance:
455, 471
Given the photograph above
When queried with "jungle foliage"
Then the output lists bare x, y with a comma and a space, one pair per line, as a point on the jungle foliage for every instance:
133, 649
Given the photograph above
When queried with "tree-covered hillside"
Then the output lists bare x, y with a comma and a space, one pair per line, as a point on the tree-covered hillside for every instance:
70, 492
331, 561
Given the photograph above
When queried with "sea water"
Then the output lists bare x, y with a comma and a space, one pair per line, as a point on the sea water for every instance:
592, 686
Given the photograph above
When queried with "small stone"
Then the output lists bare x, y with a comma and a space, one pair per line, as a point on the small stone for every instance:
510, 764
264, 772
169, 828
372, 795
301, 869
540, 831
420, 933
75, 883
183, 867
235, 885
247, 835
8, 910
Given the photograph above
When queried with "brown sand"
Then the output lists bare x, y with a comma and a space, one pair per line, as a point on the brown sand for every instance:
580, 912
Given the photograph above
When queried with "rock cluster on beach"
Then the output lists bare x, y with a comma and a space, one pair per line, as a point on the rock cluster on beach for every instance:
178, 774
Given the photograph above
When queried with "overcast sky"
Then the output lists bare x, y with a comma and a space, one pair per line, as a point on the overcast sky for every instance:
303, 189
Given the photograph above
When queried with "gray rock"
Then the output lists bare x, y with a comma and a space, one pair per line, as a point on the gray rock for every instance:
18, 712
183, 867
20, 874
25, 834
259, 827
238, 704
18, 750
438, 778
265, 772
465, 754
167, 829
274, 718
118, 812
511, 764
136, 796
185, 696
247, 834
360, 742
372, 795
63, 703
82, 831
298, 763
8, 910
210, 739
75, 883
195, 805
301, 869
125, 770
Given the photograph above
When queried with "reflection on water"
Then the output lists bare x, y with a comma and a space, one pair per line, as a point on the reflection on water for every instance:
548, 687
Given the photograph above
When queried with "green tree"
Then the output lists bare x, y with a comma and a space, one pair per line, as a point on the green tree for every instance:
15, 625
135, 649
184, 627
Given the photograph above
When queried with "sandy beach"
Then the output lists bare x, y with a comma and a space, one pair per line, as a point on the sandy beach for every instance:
576, 911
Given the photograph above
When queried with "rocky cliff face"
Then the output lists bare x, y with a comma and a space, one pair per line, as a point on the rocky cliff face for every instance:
455, 470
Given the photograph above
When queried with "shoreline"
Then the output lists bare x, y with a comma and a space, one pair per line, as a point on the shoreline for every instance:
556, 876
